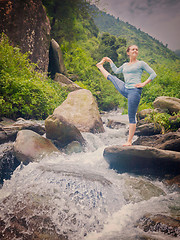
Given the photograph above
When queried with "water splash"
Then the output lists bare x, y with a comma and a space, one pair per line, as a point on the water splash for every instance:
80, 197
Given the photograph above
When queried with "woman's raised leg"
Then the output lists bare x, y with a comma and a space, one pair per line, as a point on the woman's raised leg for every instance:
102, 69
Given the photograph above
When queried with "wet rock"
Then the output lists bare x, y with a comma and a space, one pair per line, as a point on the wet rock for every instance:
114, 124
55, 202
62, 132
168, 104
22, 124
80, 109
167, 141
174, 181
148, 129
160, 223
28, 220
30, 146
9, 130
6, 121
143, 160
66, 82
3, 136
138, 189
8, 162
73, 147
56, 62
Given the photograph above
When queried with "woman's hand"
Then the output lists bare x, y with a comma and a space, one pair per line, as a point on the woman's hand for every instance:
107, 59
139, 85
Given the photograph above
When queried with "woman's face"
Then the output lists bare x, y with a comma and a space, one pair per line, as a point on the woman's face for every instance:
133, 51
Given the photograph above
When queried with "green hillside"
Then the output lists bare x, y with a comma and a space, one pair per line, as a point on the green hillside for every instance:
84, 41
151, 50
164, 61
177, 52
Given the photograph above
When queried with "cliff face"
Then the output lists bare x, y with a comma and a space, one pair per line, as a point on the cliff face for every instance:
26, 24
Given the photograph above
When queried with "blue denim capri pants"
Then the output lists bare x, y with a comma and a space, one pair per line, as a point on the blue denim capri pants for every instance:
132, 94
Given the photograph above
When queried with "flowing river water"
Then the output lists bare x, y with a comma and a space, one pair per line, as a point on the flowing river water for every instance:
82, 197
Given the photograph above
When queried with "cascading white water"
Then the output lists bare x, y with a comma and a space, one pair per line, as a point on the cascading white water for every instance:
83, 197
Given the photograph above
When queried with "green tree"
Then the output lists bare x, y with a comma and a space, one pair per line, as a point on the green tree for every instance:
63, 15
109, 46
25, 92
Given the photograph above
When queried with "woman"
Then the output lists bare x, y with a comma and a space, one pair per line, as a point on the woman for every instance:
132, 87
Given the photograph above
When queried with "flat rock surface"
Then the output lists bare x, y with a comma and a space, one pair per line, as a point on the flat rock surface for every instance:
143, 160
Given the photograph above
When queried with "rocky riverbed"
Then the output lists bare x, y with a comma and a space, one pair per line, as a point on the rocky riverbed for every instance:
70, 192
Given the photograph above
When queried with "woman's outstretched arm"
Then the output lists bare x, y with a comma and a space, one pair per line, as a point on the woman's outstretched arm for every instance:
113, 66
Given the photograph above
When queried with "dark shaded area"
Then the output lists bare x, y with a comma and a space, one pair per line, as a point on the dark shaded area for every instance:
8, 163
54, 66
159, 168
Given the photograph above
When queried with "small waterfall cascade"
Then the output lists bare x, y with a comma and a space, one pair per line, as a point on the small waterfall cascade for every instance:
78, 197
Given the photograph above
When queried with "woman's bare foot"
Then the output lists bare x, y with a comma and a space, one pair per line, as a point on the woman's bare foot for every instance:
100, 64
127, 144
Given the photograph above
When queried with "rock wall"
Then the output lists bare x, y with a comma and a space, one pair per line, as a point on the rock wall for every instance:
26, 24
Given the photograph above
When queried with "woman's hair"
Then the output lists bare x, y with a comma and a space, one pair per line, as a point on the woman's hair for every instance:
129, 47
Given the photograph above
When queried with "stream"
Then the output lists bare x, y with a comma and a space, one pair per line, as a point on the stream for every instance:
82, 198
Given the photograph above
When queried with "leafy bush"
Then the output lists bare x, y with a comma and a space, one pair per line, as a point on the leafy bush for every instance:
79, 60
165, 84
164, 120
25, 92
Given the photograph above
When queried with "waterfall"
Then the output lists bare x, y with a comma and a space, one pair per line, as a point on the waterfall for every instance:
78, 196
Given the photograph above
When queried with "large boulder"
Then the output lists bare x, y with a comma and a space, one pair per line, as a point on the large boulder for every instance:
168, 104
66, 82
80, 109
143, 160
61, 132
30, 146
28, 27
56, 62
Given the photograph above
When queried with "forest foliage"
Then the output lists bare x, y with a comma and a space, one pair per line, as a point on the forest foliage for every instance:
85, 36
24, 92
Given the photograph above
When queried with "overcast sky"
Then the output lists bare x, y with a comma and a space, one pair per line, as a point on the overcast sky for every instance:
158, 18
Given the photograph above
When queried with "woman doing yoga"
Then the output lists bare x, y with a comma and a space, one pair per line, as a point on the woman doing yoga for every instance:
132, 87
